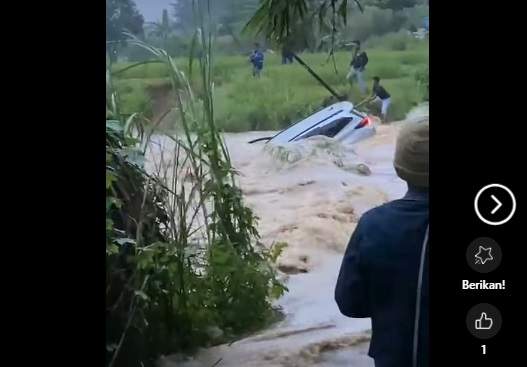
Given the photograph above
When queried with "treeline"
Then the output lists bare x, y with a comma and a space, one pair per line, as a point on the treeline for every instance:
173, 31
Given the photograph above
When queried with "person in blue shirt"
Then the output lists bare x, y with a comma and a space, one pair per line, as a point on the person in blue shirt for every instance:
257, 59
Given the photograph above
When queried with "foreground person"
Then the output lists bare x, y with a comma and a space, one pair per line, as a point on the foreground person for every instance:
384, 272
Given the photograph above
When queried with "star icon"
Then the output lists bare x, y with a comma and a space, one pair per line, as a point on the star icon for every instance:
483, 255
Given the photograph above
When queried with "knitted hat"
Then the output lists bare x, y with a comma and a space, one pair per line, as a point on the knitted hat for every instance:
412, 153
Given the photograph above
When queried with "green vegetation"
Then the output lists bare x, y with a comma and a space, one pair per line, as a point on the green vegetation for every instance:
182, 268
285, 93
174, 28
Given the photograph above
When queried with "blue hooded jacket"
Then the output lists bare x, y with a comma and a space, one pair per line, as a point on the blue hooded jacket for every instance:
257, 58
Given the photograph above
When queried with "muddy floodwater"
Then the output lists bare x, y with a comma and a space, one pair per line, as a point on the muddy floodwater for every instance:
310, 195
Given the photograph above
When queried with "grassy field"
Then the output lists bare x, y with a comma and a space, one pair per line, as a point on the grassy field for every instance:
285, 93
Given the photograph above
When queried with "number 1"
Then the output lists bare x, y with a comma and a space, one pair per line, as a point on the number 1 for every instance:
484, 347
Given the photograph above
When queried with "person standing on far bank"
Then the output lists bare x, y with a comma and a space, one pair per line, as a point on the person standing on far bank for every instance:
287, 55
257, 60
357, 67
385, 269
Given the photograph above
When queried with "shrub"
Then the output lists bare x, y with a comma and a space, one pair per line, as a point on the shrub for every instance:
181, 268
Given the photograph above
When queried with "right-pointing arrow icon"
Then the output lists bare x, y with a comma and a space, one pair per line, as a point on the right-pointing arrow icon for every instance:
501, 211
498, 204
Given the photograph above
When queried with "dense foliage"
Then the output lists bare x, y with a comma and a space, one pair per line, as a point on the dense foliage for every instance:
307, 25
121, 16
182, 268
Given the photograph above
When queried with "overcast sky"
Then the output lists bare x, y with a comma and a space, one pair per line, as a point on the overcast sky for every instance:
152, 9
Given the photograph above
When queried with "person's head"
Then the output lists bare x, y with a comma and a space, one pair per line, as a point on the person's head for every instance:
257, 45
376, 80
357, 43
411, 160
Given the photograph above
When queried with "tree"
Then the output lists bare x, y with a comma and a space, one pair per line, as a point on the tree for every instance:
234, 14
122, 15
229, 15
278, 20
162, 29
395, 4
183, 12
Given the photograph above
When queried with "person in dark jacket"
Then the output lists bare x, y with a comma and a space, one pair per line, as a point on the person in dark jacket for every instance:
380, 94
384, 272
358, 66
287, 55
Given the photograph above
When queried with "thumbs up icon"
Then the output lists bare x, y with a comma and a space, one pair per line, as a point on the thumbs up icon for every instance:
484, 322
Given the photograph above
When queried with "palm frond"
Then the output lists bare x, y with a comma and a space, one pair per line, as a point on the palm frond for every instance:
276, 19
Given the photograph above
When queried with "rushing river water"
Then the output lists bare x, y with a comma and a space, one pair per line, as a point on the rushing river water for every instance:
309, 195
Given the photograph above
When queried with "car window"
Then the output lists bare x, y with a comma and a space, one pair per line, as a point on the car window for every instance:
330, 130
298, 129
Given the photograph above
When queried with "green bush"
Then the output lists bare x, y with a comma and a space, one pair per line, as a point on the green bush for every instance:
182, 270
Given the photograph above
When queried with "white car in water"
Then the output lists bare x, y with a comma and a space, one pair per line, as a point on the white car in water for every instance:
339, 121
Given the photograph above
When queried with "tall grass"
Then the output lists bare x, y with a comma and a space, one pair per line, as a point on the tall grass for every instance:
181, 267
285, 94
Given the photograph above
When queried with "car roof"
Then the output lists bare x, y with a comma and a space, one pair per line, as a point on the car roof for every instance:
343, 109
